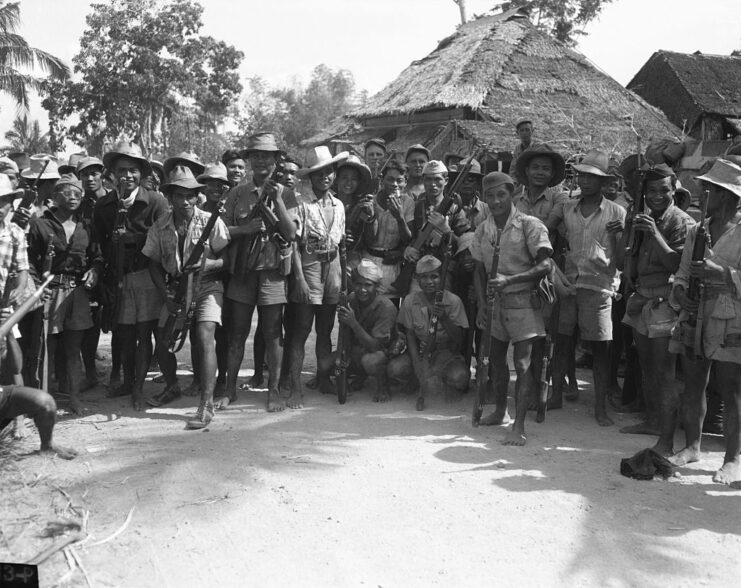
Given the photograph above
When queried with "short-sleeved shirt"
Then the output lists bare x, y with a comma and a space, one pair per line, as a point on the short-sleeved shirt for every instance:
548, 207
315, 229
522, 237
387, 233
240, 201
476, 212
13, 253
162, 242
590, 262
673, 224
414, 315
377, 319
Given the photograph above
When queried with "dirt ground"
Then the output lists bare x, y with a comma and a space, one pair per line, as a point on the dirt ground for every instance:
360, 495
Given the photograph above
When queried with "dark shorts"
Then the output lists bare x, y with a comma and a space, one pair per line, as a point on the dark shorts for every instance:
141, 301
69, 310
258, 288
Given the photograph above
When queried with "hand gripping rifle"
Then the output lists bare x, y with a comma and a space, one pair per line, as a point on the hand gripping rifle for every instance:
482, 367
546, 369
344, 335
186, 290
427, 348
263, 210
23, 309
30, 195
404, 281
695, 289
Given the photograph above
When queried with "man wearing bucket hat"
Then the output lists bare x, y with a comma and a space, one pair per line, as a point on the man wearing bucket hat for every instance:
593, 226
541, 170
415, 159
468, 202
184, 158
76, 264
660, 236
431, 361
258, 261
718, 312
388, 234
322, 222
121, 221
370, 318
168, 247
517, 316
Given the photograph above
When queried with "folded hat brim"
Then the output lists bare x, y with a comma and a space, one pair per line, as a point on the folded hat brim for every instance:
734, 188
28, 174
195, 166
365, 174
206, 177
109, 161
559, 164
12, 194
305, 171
188, 184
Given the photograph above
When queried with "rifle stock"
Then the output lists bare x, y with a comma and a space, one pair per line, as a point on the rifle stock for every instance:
695, 288
344, 338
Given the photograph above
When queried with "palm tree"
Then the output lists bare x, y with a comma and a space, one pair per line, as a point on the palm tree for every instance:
16, 54
26, 136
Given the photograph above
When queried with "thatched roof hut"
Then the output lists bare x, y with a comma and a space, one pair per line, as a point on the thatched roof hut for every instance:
701, 93
489, 73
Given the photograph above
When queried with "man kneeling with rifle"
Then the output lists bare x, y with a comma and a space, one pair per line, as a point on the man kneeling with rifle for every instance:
518, 248
184, 246
369, 317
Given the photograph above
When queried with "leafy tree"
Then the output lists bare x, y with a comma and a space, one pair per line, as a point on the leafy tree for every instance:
27, 136
564, 19
15, 53
143, 65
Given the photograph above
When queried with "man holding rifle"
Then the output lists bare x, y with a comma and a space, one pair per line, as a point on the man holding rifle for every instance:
715, 338
121, 220
169, 247
524, 258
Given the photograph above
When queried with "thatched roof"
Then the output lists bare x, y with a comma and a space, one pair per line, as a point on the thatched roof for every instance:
500, 68
687, 86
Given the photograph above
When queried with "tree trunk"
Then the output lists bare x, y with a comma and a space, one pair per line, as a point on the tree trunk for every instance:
462, 7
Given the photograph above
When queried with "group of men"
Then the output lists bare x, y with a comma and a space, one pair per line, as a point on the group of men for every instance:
414, 258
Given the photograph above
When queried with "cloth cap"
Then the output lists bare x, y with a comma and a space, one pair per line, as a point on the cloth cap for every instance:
260, 142
375, 141
724, 174
71, 166
127, 149
419, 148
36, 164
187, 159
522, 121
68, 180
658, 172
7, 189
541, 150
465, 241
428, 263
86, 162
217, 171
496, 179
318, 158
434, 167
370, 271
595, 163
181, 176
8, 165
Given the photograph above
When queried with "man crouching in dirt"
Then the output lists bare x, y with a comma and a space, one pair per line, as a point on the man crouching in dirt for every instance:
370, 318
431, 356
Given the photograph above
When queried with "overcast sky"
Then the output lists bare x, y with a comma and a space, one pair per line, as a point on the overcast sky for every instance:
376, 39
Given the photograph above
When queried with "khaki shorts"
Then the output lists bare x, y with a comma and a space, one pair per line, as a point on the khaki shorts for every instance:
141, 301
655, 320
69, 310
208, 309
591, 311
517, 324
327, 292
261, 288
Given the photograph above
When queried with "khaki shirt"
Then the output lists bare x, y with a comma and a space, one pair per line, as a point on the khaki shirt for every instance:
548, 207
387, 235
377, 319
414, 316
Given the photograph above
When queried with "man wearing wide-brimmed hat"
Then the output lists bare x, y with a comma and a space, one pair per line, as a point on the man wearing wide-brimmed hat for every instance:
593, 226
76, 263
121, 221
353, 182
415, 159
660, 234
469, 203
715, 341
258, 261
388, 234
169, 245
184, 158
322, 222
540, 171
10, 169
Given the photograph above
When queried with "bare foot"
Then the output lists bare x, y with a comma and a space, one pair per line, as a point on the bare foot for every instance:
644, 428
224, 402
602, 419
19, 428
498, 417
685, 456
193, 390
294, 401
59, 451
514, 437
729, 473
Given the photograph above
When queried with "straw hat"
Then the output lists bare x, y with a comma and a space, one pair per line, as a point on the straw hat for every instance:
318, 158
6, 188
595, 163
188, 159
36, 164
8, 165
724, 174
355, 162
541, 150
130, 150
181, 176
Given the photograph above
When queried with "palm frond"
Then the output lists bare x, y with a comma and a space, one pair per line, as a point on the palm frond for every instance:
10, 17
